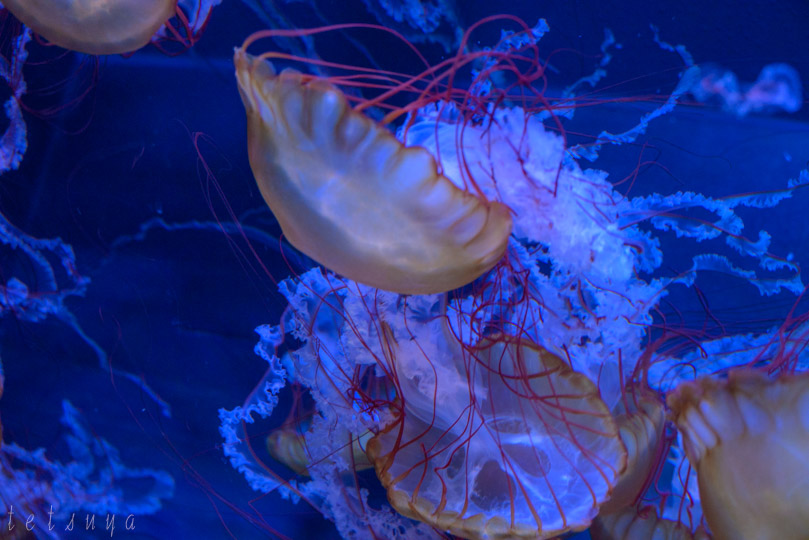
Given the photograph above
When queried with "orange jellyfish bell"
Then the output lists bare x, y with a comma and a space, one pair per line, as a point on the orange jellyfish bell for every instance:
507, 443
347, 193
94, 26
748, 438
641, 428
641, 431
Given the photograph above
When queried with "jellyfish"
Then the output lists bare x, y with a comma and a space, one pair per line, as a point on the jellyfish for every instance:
531, 453
94, 26
355, 199
641, 424
641, 430
748, 437
94, 478
642, 524
287, 445
518, 405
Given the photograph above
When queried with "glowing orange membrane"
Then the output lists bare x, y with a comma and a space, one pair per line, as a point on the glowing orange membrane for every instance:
533, 452
748, 438
288, 446
641, 431
355, 199
94, 26
643, 524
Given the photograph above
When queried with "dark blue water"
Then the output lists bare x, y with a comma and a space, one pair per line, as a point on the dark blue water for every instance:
173, 310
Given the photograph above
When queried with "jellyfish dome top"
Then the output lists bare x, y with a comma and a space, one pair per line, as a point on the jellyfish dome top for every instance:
536, 423
482, 331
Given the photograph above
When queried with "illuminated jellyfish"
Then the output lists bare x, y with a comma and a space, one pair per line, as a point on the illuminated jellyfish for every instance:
642, 432
722, 396
364, 206
435, 21
94, 27
112, 26
778, 86
748, 438
518, 405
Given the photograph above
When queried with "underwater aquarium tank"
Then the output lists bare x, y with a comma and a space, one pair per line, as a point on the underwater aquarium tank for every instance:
399, 269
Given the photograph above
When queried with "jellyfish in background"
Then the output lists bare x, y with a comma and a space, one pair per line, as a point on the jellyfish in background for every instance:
778, 86
113, 27
528, 403
14, 142
94, 481
40, 276
434, 21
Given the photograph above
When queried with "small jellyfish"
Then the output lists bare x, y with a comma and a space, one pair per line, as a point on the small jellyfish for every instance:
94, 26
748, 438
347, 193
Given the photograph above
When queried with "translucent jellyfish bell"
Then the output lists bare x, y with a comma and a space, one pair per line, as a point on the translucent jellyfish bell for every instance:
506, 443
94, 26
748, 438
288, 446
355, 199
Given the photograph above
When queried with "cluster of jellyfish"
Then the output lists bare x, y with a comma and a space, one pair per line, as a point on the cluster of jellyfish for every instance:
481, 332
480, 328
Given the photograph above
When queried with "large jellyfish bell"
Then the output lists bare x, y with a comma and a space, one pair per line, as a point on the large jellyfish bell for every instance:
355, 199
